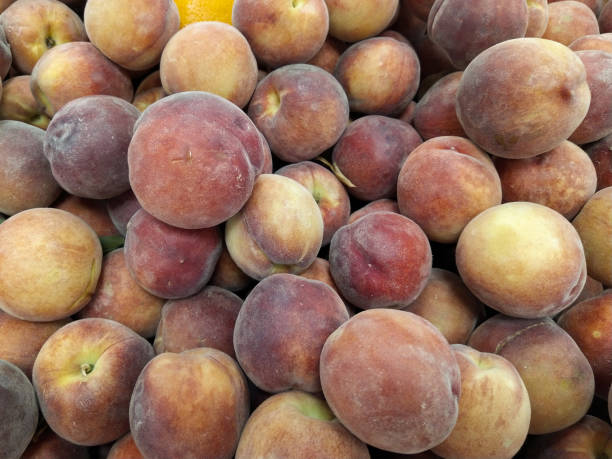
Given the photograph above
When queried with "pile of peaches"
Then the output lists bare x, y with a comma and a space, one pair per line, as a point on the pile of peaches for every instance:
335, 229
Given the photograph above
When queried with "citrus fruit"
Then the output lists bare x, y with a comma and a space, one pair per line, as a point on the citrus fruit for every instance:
204, 10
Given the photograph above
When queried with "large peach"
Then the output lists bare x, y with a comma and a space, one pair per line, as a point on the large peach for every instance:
444, 183
280, 228
84, 376
50, 262
281, 329
192, 404
569, 20
391, 379
143, 36
522, 259
536, 102
382, 260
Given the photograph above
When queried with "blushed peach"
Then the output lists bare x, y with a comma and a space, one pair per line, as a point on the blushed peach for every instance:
18, 103
125, 448
537, 19
601, 42
384, 204
569, 20
600, 153
46, 444
92, 211
121, 208
355, 20
228, 275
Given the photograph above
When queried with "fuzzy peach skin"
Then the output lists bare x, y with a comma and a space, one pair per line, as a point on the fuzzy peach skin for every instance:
537, 101
382, 260
119, 297
84, 376
589, 323
601, 42
228, 275
76, 69
205, 319
145, 98
371, 90
187, 147
50, 262
557, 375
35, 26
383, 204
22, 340
26, 178
601, 154
593, 226
569, 20
301, 110
20, 410
192, 404
18, 103
537, 19
125, 448
589, 438
408, 381
167, 261
464, 31
46, 444
355, 20
444, 183
126, 35
598, 120
92, 211
282, 32
86, 144
449, 305
435, 114
209, 56
327, 190
494, 408
563, 179
298, 425
370, 154
319, 270
329, 53
280, 228
522, 259
281, 329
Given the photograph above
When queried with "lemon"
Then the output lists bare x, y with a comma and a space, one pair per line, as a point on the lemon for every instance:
191, 11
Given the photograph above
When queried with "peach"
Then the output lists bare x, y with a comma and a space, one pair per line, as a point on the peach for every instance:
228, 275
143, 36
167, 261
593, 225
592, 288
406, 398
537, 19
598, 120
329, 53
49, 264
119, 297
22, 340
319, 270
556, 373
494, 408
604, 19
372, 91
76, 69
595, 5
569, 20
177, 159
84, 376
205, 319
600, 153
209, 56
121, 208
145, 98
435, 114
420, 8
279, 229
382, 260
20, 410
590, 437
464, 32
563, 179
522, 259
444, 183
150, 81
86, 144
433, 60
383, 204
6, 57
281, 329
18, 103
301, 110
209, 425
46, 444
371, 153
298, 425
355, 20
601, 42
589, 323
92, 211
125, 448
326, 189
35, 26
26, 180
449, 305
281, 32
541, 97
